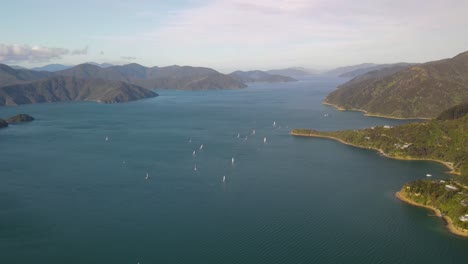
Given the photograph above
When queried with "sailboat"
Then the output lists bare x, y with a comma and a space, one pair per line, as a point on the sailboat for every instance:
147, 176
232, 161
428, 175
253, 132
238, 135
201, 146
195, 168
274, 123
107, 139
193, 153
264, 140
224, 178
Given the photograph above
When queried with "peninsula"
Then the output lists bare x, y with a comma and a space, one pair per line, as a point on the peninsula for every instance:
443, 140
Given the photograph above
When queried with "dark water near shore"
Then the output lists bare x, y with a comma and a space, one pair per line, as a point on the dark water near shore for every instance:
66, 195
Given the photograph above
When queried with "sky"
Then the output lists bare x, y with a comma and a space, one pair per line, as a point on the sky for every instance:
232, 34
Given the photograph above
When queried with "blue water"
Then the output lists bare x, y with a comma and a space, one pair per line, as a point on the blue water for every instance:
68, 196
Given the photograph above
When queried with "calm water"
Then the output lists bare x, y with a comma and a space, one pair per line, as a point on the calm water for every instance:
67, 196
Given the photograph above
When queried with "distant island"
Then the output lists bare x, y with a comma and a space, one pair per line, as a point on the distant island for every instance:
444, 140
260, 76
406, 90
15, 119
20, 118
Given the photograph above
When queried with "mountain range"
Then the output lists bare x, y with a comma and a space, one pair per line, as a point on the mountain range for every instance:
406, 91
109, 83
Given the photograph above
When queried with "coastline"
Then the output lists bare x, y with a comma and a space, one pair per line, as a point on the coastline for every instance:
381, 152
339, 108
448, 221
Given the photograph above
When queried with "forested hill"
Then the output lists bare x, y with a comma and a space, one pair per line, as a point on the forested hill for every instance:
420, 91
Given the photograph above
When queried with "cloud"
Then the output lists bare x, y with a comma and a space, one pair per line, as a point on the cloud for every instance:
83, 51
128, 58
17, 53
10, 53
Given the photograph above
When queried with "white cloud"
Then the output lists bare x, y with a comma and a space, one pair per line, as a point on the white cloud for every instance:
17, 53
11, 53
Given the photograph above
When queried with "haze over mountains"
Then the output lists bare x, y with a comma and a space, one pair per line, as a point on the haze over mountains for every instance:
407, 91
259, 76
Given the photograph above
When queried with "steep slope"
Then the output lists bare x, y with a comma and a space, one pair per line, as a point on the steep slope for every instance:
259, 76
63, 88
10, 76
421, 91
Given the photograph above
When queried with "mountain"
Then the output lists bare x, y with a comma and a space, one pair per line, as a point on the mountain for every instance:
360, 71
51, 67
10, 76
63, 88
171, 77
292, 72
420, 91
259, 76
342, 70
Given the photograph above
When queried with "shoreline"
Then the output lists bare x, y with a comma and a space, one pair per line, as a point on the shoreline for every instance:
339, 108
381, 152
448, 221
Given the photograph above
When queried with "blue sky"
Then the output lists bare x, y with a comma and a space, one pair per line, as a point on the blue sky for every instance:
232, 34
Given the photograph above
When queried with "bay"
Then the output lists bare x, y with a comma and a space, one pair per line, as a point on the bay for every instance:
69, 196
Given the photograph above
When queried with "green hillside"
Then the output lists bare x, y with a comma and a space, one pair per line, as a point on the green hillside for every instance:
443, 140
421, 91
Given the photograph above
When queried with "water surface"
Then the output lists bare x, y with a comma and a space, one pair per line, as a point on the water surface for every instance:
68, 196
